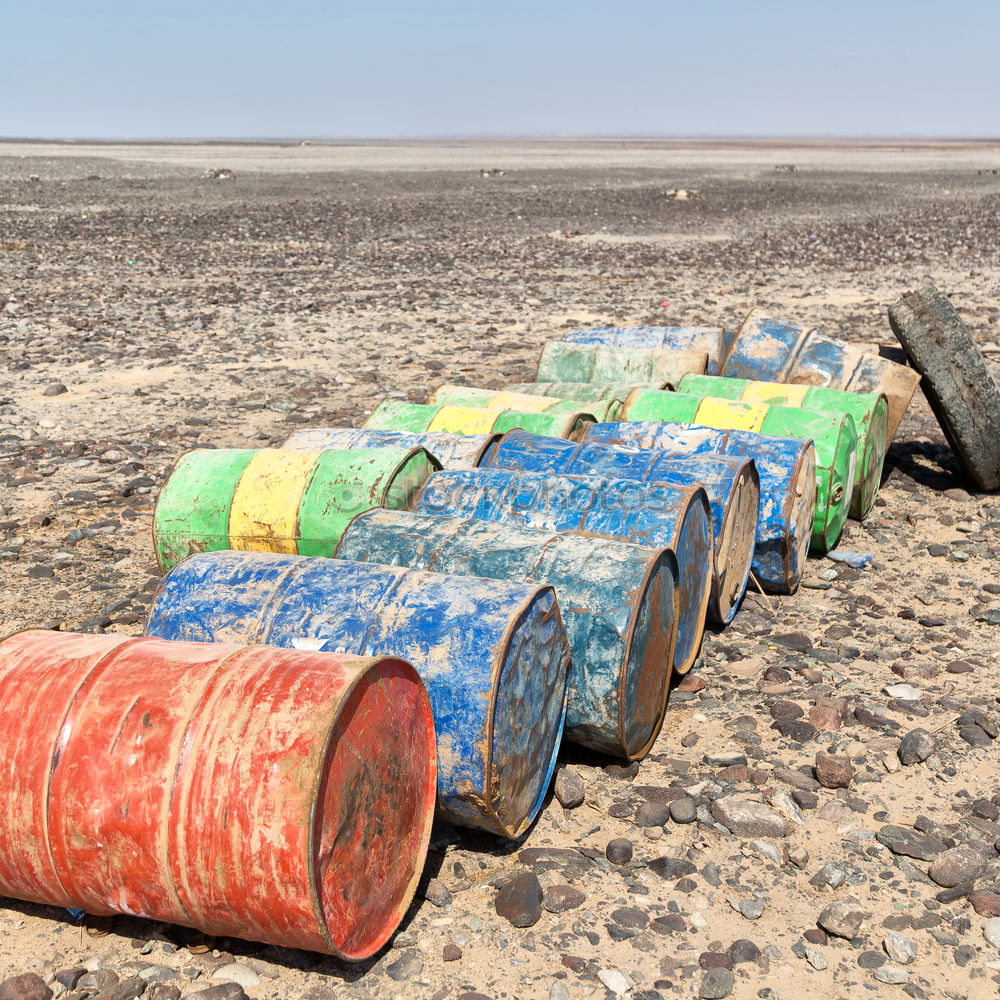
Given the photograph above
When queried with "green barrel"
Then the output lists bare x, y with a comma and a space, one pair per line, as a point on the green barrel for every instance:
584, 390
395, 415
870, 411
834, 435
566, 362
295, 502
605, 410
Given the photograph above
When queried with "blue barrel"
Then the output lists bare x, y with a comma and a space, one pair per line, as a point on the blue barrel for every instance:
787, 470
709, 339
618, 603
493, 657
453, 451
731, 485
652, 514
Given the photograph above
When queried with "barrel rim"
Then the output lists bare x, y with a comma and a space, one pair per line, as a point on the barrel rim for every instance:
788, 558
701, 497
746, 471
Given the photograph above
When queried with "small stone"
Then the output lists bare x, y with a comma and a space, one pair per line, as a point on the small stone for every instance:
54, 389
224, 991
451, 953
986, 902
437, 893
910, 844
746, 818
752, 909
974, 735
236, 972
843, 918
684, 810
671, 869
520, 900
559, 991
616, 981
560, 898
26, 986
901, 949
915, 747
408, 965
569, 788
833, 771
816, 958
619, 851
871, 960
960, 864
715, 960
716, 984
743, 950
903, 692
826, 718
127, 989
991, 931
652, 814
98, 980
891, 975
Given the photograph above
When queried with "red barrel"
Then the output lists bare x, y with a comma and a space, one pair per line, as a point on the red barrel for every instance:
278, 795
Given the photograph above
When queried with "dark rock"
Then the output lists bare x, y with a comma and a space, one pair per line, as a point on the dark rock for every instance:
560, 898
963, 863
408, 965
715, 960
127, 989
986, 902
54, 389
451, 953
98, 980
789, 710
833, 771
797, 779
162, 991
911, 844
871, 960
26, 986
671, 869
743, 950
520, 900
975, 736
437, 893
626, 772
796, 731
619, 851
223, 991
684, 810
672, 923
652, 814
915, 747
569, 788
716, 984
630, 916
69, 977
843, 918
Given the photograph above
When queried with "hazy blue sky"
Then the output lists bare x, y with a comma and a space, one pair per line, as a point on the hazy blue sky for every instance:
442, 67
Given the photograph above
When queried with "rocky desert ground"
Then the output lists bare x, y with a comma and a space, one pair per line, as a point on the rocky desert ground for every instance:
820, 813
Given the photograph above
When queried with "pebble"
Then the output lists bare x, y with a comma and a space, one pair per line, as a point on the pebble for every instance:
652, 814
743, 950
671, 869
619, 851
520, 900
716, 984
891, 975
843, 918
752, 909
408, 965
960, 864
236, 972
452, 953
223, 991
746, 818
27, 986
901, 949
910, 843
437, 893
560, 898
615, 981
569, 788
915, 747
833, 771
986, 902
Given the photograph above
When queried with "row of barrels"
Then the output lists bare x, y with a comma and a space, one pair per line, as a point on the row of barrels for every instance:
368, 625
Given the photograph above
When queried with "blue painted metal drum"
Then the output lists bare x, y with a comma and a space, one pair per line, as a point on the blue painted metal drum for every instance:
492, 655
709, 339
787, 470
652, 514
453, 451
731, 485
617, 602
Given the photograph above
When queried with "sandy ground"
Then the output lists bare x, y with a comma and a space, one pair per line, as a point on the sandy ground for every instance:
163, 310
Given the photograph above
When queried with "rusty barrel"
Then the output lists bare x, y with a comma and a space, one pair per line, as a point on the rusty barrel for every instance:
276, 795
278, 499
576, 390
492, 654
657, 515
869, 410
395, 415
730, 482
522, 402
710, 340
787, 471
617, 602
834, 436
562, 361
776, 350
452, 451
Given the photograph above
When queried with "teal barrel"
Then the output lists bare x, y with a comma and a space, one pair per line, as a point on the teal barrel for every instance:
617, 600
493, 656
731, 484
452, 451
787, 471
652, 514
709, 339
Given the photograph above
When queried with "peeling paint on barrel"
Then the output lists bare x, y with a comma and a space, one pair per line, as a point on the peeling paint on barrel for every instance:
452, 451
278, 499
730, 482
709, 339
869, 410
276, 795
776, 350
834, 436
787, 471
576, 362
505, 399
393, 414
576, 390
492, 654
653, 515
616, 601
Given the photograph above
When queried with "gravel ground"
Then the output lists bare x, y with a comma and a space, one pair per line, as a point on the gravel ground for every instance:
820, 813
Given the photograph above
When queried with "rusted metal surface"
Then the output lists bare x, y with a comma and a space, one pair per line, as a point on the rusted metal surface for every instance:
869, 410
275, 795
452, 451
730, 482
522, 402
278, 499
707, 339
655, 515
787, 471
775, 350
392, 414
616, 600
834, 436
569, 362
492, 654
